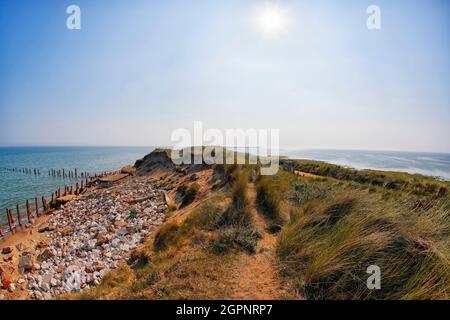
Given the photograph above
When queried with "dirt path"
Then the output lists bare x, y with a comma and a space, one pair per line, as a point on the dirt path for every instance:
255, 276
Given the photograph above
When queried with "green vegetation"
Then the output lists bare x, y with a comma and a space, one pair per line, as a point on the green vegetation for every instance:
236, 222
166, 236
268, 200
409, 183
339, 228
330, 228
191, 193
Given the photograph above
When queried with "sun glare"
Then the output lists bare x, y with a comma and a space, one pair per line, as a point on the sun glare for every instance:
272, 20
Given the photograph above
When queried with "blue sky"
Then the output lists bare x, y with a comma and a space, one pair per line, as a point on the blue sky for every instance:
137, 70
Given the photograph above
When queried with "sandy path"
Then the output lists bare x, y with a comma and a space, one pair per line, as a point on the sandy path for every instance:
256, 276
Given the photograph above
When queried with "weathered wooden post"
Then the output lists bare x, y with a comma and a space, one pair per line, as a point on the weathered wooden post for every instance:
71, 190
77, 190
1, 233
36, 205
10, 223
59, 192
44, 204
19, 217
82, 186
28, 211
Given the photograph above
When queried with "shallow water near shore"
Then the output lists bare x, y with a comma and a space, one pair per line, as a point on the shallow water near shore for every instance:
17, 187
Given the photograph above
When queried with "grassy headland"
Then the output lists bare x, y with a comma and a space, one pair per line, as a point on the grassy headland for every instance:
327, 223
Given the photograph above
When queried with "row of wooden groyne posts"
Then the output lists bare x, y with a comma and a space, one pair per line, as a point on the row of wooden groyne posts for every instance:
57, 198
56, 173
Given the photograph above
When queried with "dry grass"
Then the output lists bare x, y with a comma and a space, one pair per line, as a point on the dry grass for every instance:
407, 183
329, 244
268, 199
182, 262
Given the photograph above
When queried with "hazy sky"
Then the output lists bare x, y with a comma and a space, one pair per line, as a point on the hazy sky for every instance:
137, 70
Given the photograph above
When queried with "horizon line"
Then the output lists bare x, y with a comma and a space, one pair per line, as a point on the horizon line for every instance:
287, 148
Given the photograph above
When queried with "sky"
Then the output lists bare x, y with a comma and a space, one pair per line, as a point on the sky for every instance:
138, 70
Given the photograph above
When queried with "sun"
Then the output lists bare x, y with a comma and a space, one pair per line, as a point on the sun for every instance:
272, 20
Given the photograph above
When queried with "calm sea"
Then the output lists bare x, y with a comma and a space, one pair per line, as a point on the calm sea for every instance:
18, 187
430, 164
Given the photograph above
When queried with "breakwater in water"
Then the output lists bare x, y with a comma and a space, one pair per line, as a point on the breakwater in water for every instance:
55, 168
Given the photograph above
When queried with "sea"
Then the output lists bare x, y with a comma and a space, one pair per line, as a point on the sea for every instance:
17, 187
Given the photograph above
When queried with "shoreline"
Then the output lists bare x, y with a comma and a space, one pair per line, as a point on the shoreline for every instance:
72, 248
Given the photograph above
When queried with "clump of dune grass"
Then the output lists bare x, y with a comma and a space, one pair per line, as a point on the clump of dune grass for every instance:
239, 237
235, 225
268, 200
166, 236
411, 183
191, 193
328, 245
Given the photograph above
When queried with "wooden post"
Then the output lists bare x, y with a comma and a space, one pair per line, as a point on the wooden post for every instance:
13, 221
36, 204
28, 211
19, 217
77, 191
71, 190
1, 233
44, 203
82, 185
76, 173
59, 192
9, 221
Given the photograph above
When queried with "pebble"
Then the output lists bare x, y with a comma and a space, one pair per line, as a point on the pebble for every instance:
11, 287
90, 235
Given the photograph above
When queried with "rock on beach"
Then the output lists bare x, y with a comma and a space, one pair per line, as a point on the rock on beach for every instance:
88, 237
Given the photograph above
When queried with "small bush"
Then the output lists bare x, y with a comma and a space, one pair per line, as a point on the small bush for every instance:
239, 237
191, 193
224, 242
305, 191
206, 216
267, 199
133, 214
236, 214
239, 193
232, 217
166, 236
